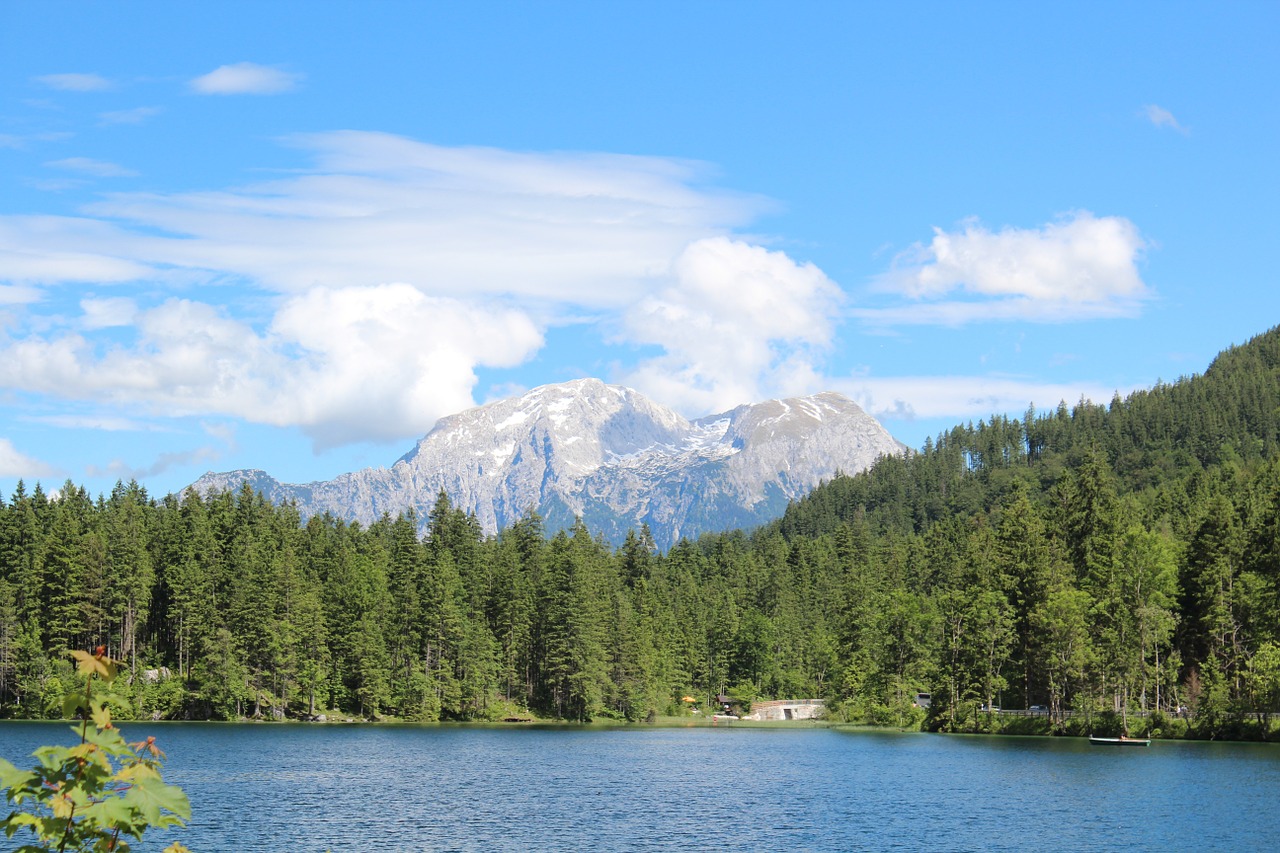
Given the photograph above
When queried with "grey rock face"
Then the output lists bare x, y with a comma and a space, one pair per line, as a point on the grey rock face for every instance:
607, 454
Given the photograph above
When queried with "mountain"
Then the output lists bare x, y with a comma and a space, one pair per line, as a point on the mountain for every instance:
607, 454
1159, 443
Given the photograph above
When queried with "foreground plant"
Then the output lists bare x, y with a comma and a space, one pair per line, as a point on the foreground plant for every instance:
98, 794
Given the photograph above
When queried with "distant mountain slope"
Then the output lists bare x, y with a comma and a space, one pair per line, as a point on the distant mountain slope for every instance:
1152, 439
607, 454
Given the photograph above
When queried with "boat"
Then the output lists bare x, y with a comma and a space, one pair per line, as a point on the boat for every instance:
1119, 741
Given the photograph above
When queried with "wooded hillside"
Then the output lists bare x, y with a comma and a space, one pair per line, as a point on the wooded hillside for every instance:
1087, 558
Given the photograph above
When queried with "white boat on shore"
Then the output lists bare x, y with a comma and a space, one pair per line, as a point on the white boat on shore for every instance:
1119, 741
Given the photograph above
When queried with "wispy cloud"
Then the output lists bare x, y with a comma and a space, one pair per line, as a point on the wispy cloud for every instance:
55, 185
137, 115
1081, 267
15, 464
246, 78
19, 294
50, 250
76, 82
87, 166
360, 297
162, 463
1160, 117
104, 423
971, 397
19, 142
588, 229
398, 270
107, 313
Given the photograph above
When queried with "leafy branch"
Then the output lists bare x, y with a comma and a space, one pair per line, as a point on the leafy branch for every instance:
97, 795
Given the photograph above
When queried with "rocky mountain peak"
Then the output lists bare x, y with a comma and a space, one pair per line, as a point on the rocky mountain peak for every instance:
609, 455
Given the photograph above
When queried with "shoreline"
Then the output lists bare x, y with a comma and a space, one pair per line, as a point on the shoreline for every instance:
1186, 734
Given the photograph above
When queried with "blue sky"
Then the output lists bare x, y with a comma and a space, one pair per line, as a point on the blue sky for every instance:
291, 236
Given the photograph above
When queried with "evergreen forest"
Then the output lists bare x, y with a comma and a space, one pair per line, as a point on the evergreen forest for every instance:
1104, 562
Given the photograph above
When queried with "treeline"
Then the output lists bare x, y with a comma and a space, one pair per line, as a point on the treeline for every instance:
1097, 560
226, 606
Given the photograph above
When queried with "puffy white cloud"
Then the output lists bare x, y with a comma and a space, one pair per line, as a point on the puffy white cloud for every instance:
487, 247
1081, 267
374, 363
737, 323
97, 168
245, 78
358, 298
392, 351
1160, 117
15, 464
76, 82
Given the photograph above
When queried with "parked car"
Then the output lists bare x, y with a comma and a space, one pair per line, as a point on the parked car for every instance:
1038, 709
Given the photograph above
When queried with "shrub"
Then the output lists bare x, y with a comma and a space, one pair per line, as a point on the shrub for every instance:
95, 795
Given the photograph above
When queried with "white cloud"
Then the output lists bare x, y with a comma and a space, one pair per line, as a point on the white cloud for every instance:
245, 78
1081, 267
1160, 117
389, 349
55, 185
579, 228
15, 464
105, 423
76, 82
107, 313
963, 397
137, 115
18, 143
488, 248
52, 249
737, 323
120, 470
372, 363
18, 294
358, 298
97, 168
223, 431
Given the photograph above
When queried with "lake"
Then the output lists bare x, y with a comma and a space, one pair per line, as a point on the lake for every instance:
406, 788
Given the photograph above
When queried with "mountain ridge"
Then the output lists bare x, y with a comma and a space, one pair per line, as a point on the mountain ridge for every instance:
604, 453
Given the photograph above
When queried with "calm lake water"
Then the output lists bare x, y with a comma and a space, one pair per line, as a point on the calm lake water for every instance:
382, 788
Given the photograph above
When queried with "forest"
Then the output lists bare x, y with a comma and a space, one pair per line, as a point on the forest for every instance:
1100, 561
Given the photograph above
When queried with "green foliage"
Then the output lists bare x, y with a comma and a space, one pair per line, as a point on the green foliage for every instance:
98, 794
1093, 559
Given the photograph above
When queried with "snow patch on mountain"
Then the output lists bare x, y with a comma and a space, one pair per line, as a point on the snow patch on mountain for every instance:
607, 454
